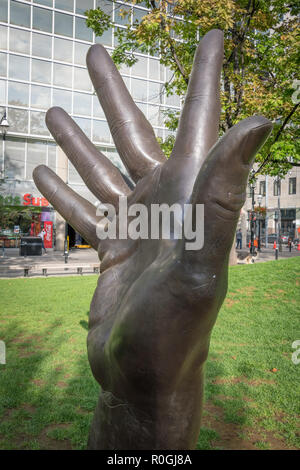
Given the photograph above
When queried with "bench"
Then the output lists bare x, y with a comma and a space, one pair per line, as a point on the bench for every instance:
44, 268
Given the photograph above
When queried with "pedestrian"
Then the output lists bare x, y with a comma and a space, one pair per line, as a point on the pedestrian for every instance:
42, 236
290, 244
239, 238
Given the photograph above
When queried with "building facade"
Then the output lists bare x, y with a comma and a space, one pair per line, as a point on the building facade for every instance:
43, 46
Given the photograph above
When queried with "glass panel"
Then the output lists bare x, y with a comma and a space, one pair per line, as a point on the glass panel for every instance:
97, 109
82, 104
122, 14
48, 3
2, 93
3, 11
82, 79
101, 131
65, 5
19, 41
19, 67
3, 62
18, 94
51, 156
20, 14
36, 155
63, 98
155, 93
140, 67
85, 125
143, 108
40, 97
139, 89
173, 100
37, 123
80, 53
42, 45
3, 37
18, 120
83, 5
63, 24
105, 39
42, 19
154, 69
138, 14
62, 75
63, 50
153, 115
82, 31
106, 6
40, 71
73, 175
14, 158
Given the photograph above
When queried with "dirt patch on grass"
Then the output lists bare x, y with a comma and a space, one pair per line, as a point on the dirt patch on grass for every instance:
38, 382
245, 380
229, 302
48, 443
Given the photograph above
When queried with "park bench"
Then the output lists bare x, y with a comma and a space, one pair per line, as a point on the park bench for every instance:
44, 268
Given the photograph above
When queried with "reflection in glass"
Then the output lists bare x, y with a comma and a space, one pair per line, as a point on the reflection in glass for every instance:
3, 37
36, 155
42, 19
101, 132
18, 94
20, 14
62, 75
14, 162
48, 3
63, 24
80, 53
155, 94
65, 5
3, 62
18, 120
37, 123
82, 31
122, 14
82, 79
139, 89
19, 67
40, 71
106, 6
51, 156
140, 67
40, 97
105, 39
83, 5
85, 125
63, 50
3, 11
2, 93
82, 104
19, 41
62, 98
42, 45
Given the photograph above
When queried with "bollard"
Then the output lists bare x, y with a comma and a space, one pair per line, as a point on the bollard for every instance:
276, 253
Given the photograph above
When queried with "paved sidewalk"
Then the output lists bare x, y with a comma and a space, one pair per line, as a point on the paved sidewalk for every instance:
268, 254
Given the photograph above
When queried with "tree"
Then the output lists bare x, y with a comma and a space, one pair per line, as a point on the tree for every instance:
260, 61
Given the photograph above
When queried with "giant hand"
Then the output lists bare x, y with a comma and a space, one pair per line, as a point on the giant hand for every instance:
156, 302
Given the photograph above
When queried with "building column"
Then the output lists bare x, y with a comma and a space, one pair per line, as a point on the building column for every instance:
62, 172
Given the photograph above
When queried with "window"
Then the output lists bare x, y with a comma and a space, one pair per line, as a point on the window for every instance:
82, 104
62, 75
105, 39
83, 5
3, 11
101, 131
140, 67
155, 94
48, 3
40, 71
2, 94
20, 14
63, 24
42, 45
40, 97
97, 109
19, 41
106, 6
18, 94
123, 14
80, 53
51, 156
262, 188
82, 31
292, 185
65, 5
153, 115
277, 188
3, 37
85, 125
63, 50
36, 155
63, 98
42, 19
37, 123
82, 80
18, 120
18, 67
14, 157
3, 64
139, 89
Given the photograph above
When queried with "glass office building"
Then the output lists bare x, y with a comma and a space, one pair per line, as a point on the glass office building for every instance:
43, 46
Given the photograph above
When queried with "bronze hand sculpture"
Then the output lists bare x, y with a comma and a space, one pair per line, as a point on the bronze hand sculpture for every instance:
156, 303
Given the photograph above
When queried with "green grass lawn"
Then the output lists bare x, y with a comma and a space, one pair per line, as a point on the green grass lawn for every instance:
48, 394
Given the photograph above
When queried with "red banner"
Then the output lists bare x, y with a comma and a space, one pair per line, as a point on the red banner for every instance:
48, 226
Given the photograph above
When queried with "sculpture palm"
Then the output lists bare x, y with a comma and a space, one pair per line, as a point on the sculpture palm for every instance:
155, 305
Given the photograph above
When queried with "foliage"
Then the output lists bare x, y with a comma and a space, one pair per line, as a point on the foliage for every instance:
260, 65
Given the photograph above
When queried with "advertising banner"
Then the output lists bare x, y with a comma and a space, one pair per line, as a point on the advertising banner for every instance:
48, 226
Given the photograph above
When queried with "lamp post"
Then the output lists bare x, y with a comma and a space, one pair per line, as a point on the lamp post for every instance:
252, 185
276, 225
259, 199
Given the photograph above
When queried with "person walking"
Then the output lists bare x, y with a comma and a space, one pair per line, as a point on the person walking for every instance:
42, 236
239, 238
